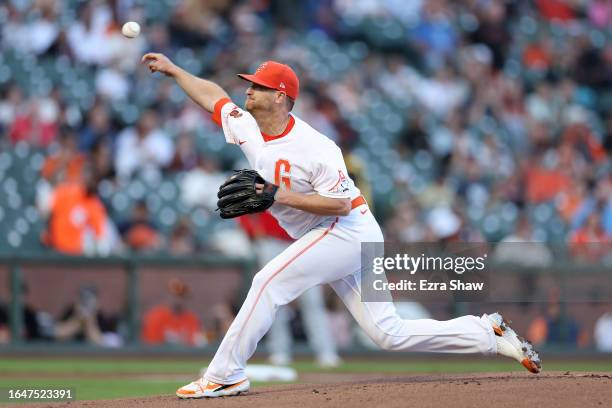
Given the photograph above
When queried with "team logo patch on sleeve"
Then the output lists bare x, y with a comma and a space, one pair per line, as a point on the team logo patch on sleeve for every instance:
342, 185
235, 113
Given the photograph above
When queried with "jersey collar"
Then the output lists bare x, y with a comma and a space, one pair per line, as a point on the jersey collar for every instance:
268, 138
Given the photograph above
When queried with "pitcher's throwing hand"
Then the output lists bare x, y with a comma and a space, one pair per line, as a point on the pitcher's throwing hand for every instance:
159, 63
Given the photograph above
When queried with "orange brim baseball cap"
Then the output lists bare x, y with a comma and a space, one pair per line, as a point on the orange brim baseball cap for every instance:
275, 75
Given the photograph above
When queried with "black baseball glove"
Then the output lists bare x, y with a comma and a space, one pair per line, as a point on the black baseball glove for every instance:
238, 195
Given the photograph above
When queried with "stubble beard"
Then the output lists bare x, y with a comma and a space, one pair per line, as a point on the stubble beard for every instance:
257, 110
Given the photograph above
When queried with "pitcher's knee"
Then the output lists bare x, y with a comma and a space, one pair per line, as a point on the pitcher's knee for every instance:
259, 281
264, 289
389, 338
385, 342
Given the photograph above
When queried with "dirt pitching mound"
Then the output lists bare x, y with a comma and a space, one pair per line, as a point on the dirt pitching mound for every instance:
511, 390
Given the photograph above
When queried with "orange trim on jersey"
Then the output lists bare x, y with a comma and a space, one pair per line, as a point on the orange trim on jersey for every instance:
216, 115
281, 269
268, 138
358, 201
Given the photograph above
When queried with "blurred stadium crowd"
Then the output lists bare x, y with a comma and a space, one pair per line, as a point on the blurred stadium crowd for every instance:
470, 120
460, 119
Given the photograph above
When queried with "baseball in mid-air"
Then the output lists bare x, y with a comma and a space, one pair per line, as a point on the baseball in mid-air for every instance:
131, 29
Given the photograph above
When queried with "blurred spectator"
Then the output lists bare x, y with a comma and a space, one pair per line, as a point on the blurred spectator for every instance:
405, 225
521, 248
537, 56
331, 114
542, 106
544, 184
598, 200
32, 35
603, 332
591, 243
182, 240
97, 129
144, 149
437, 193
552, 328
37, 325
231, 242
556, 10
434, 34
570, 201
78, 222
87, 35
102, 160
445, 224
200, 184
83, 321
194, 22
579, 139
111, 83
186, 155
12, 102
471, 183
440, 94
493, 29
414, 137
592, 66
172, 322
66, 163
36, 122
159, 38
139, 233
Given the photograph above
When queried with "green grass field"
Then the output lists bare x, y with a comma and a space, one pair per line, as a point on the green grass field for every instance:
106, 378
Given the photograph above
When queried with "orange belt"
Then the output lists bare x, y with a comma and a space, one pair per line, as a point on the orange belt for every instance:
358, 201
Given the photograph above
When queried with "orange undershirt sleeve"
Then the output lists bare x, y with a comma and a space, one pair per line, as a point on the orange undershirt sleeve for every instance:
216, 115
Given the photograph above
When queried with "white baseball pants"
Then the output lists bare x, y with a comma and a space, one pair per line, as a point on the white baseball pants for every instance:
331, 253
312, 307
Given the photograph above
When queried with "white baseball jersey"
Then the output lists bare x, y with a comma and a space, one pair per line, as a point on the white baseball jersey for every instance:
300, 159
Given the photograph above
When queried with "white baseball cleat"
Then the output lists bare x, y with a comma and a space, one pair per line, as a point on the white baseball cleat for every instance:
203, 388
512, 345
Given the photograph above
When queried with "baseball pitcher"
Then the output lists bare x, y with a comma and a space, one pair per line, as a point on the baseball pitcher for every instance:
300, 175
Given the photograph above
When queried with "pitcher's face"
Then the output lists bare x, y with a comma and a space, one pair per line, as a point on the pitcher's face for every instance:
259, 98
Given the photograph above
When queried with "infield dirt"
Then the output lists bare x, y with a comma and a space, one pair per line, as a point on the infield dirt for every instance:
511, 390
